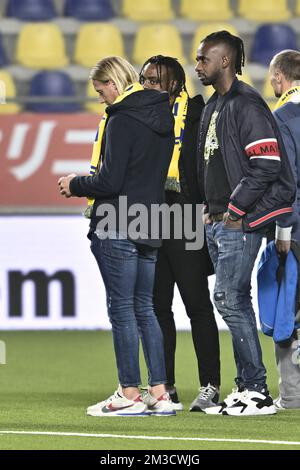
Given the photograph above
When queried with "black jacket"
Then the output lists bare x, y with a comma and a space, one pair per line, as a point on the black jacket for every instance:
136, 153
255, 159
188, 156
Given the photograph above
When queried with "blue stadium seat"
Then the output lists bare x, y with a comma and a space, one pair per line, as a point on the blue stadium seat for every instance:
270, 39
31, 10
52, 84
3, 56
89, 10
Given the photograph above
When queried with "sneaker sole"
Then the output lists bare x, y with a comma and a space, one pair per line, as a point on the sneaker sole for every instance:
116, 415
263, 412
161, 413
214, 411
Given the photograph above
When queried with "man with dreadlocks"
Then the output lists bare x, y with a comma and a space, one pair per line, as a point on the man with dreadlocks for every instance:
248, 184
175, 263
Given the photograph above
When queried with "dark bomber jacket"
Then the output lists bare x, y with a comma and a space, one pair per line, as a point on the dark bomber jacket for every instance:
255, 159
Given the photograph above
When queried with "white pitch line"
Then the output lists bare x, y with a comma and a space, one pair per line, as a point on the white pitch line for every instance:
153, 438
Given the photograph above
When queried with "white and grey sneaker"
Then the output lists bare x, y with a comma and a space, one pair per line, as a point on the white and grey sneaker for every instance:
118, 405
208, 397
252, 403
161, 406
230, 400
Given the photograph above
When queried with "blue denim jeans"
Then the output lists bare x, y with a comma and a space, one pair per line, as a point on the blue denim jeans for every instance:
127, 270
233, 254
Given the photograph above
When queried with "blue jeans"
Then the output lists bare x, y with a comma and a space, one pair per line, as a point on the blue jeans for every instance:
127, 271
233, 254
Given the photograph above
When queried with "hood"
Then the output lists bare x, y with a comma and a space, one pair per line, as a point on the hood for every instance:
150, 107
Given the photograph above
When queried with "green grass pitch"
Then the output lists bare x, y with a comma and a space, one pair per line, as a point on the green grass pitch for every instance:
51, 377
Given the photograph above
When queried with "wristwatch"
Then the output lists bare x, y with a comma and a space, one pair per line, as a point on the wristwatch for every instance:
233, 218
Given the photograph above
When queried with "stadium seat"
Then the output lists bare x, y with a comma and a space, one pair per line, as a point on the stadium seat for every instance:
153, 10
298, 8
207, 29
41, 45
3, 56
190, 86
95, 41
264, 10
268, 92
7, 88
204, 10
54, 84
93, 106
31, 10
270, 39
157, 39
89, 10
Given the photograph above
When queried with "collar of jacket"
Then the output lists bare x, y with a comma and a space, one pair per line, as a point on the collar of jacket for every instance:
195, 108
233, 87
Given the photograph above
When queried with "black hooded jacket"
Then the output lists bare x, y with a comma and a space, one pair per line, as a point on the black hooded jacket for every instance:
136, 152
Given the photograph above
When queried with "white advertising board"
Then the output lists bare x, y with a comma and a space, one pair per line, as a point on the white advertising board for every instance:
50, 280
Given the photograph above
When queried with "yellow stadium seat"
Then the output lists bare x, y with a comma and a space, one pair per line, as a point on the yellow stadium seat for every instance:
268, 92
95, 41
7, 90
93, 106
157, 39
209, 90
206, 10
41, 45
298, 8
271, 104
152, 10
190, 86
207, 29
264, 10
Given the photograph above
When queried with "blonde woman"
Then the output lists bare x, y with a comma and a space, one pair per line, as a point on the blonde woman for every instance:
131, 157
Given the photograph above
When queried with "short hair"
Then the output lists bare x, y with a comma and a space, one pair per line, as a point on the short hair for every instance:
174, 69
234, 42
288, 62
116, 69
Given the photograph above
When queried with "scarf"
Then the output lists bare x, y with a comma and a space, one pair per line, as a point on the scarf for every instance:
96, 161
179, 113
288, 96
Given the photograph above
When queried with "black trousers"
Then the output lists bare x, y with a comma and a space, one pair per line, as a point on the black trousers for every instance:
187, 269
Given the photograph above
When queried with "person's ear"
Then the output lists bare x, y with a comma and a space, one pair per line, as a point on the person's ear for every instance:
225, 61
278, 77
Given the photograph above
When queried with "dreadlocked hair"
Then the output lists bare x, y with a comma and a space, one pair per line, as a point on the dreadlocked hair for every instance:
232, 41
174, 72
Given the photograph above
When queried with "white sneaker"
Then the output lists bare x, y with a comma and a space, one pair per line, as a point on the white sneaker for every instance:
251, 403
161, 406
177, 405
230, 400
118, 405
